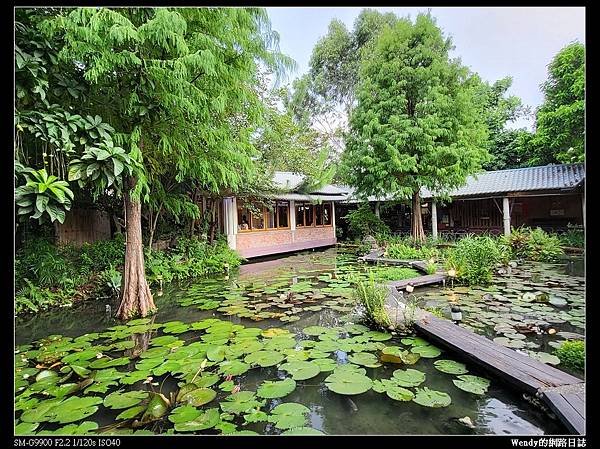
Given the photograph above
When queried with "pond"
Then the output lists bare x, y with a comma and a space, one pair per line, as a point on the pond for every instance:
276, 348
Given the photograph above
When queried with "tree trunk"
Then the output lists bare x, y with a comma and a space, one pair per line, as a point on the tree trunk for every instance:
416, 226
136, 298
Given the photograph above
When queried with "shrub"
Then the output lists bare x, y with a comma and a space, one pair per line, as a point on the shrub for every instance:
31, 298
572, 354
394, 274
534, 244
431, 268
373, 298
103, 254
363, 222
474, 259
405, 251
573, 237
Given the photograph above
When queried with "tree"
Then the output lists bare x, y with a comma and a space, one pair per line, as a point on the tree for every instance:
174, 83
498, 109
416, 123
560, 120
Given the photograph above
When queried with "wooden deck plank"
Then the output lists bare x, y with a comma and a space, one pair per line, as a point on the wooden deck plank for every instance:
573, 415
418, 281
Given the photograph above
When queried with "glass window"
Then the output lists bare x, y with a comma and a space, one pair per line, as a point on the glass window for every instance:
308, 213
258, 221
318, 214
243, 217
271, 215
282, 214
327, 214
300, 214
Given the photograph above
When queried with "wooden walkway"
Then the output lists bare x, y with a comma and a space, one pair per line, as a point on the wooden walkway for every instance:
523, 372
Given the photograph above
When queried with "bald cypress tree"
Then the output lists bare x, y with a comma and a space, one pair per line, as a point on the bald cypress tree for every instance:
174, 83
416, 124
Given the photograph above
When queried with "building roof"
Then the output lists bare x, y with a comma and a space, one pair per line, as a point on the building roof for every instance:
291, 181
547, 177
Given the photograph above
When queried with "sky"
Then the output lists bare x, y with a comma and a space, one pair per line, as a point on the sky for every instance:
494, 42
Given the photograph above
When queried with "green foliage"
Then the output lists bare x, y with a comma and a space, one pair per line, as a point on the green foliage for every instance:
416, 122
112, 278
373, 297
572, 354
394, 274
43, 197
363, 222
103, 254
436, 311
573, 237
32, 299
431, 268
560, 121
191, 257
533, 244
408, 251
474, 259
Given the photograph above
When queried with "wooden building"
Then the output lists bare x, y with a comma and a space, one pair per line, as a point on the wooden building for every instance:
293, 221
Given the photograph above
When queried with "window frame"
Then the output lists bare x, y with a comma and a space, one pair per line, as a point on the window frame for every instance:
313, 206
264, 213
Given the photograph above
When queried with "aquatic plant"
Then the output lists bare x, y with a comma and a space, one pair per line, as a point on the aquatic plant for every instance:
373, 297
363, 222
406, 251
474, 259
572, 354
533, 244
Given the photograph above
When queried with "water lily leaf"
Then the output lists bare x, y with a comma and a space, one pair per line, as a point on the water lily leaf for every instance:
314, 331
289, 415
398, 393
164, 340
544, 357
240, 402
42, 412
74, 409
198, 397
233, 368
85, 428
183, 414
348, 382
106, 362
264, 358
428, 351
303, 431
205, 420
26, 428
472, 384
450, 367
132, 412
276, 389
432, 398
274, 331
301, 370
62, 390
215, 353
409, 377
256, 416
356, 329
326, 346
365, 359
325, 364
120, 399
378, 336
378, 386
279, 343
414, 341
206, 380
349, 367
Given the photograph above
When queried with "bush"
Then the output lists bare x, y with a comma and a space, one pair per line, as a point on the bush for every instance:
103, 254
474, 259
573, 237
533, 244
32, 299
394, 274
572, 354
363, 222
406, 251
373, 298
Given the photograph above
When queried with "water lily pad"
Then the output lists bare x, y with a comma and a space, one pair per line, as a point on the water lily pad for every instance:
120, 399
205, 420
378, 336
157, 407
472, 384
276, 389
26, 428
132, 412
74, 409
450, 367
544, 357
183, 414
289, 415
233, 367
198, 396
428, 351
264, 358
240, 402
348, 382
325, 364
365, 359
314, 330
432, 398
409, 377
398, 393
301, 370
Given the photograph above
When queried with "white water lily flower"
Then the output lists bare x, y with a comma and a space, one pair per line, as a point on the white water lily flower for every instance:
99, 355
148, 380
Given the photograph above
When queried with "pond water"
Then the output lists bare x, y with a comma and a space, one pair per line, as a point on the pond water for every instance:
228, 321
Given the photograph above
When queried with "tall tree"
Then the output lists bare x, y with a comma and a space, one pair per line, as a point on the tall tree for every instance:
174, 83
416, 123
560, 120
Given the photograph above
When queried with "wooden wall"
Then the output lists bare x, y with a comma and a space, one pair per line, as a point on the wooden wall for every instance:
84, 226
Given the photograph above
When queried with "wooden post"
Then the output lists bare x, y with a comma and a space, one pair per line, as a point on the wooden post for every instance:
506, 215
229, 221
377, 209
434, 224
293, 219
333, 217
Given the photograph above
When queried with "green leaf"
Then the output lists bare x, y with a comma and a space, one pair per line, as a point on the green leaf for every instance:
273, 389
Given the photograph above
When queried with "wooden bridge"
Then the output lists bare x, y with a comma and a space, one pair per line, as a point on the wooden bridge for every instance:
563, 393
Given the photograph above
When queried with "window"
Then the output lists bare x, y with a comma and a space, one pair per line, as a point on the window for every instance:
262, 218
308, 215
327, 214
318, 215
299, 215
282, 214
